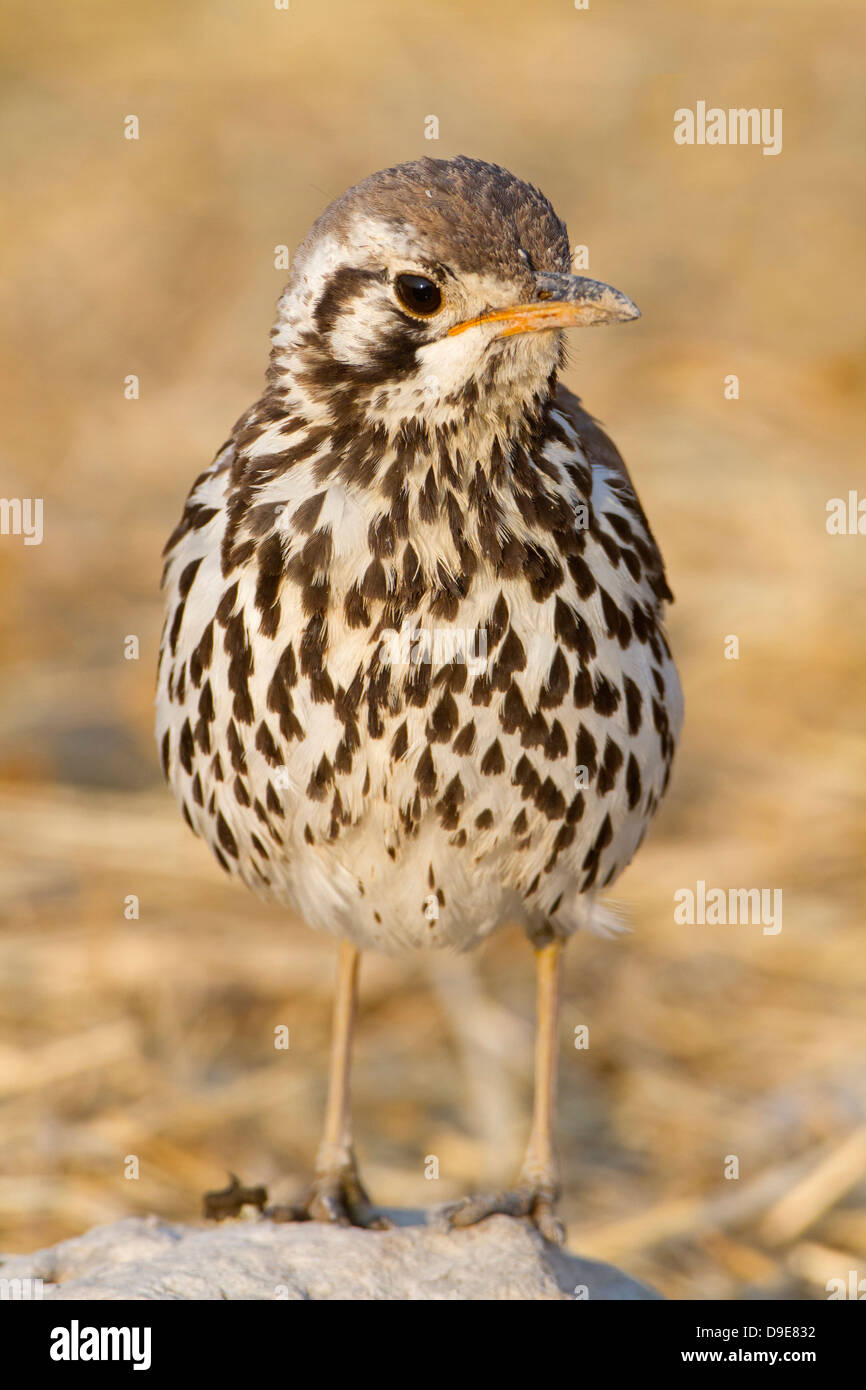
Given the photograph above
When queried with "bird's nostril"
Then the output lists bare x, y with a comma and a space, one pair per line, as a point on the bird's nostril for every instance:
544, 294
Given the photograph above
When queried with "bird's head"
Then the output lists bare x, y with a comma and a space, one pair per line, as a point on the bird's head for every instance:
440, 289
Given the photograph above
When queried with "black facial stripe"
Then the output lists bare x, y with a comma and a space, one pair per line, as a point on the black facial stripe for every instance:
344, 285
393, 357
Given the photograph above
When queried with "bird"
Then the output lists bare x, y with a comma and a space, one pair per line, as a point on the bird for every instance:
414, 682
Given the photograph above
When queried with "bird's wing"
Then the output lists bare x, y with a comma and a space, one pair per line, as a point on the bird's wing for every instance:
601, 452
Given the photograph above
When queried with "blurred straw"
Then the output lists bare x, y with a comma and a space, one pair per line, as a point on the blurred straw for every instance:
830, 1179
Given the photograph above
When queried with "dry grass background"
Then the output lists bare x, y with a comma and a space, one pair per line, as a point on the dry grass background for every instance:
155, 1037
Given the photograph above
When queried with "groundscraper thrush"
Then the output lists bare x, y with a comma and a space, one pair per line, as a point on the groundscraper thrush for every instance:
414, 682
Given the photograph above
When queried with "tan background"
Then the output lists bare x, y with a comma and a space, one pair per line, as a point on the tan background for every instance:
154, 1037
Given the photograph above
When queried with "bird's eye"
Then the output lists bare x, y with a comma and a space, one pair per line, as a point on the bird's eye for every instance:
420, 296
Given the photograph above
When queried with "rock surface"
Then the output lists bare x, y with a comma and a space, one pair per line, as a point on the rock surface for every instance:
146, 1258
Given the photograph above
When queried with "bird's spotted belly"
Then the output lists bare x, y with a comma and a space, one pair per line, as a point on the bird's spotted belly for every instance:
420, 784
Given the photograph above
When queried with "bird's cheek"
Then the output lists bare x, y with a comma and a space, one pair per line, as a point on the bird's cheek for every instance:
447, 365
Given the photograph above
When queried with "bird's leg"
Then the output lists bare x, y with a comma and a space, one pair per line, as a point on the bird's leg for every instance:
337, 1194
537, 1188
337, 1184
539, 1173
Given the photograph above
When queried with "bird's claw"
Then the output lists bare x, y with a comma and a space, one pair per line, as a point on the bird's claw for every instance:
230, 1200
536, 1203
338, 1199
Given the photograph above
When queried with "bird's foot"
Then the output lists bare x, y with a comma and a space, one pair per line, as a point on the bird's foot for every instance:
230, 1200
338, 1198
537, 1202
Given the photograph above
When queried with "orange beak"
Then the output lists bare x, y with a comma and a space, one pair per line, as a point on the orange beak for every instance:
561, 301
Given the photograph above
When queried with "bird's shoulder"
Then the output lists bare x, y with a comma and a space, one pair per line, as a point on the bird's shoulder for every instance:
207, 497
604, 458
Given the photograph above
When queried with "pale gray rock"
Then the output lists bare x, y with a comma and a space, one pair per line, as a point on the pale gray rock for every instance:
145, 1258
